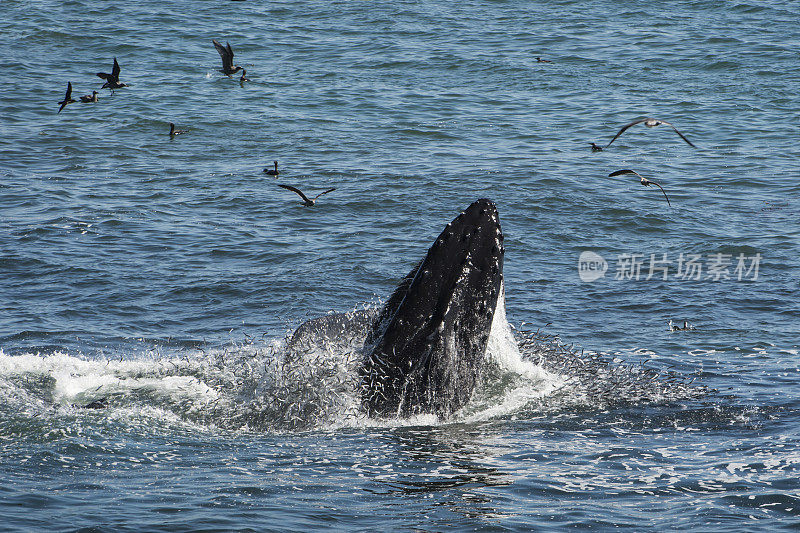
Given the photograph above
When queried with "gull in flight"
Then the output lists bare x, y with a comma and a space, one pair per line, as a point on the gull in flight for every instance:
67, 97
307, 202
650, 123
644, 181
112, 80
226, 53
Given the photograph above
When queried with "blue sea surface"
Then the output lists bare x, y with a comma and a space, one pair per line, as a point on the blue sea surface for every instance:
163, 274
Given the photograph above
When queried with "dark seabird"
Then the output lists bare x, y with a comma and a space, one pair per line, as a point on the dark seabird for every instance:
173, 132
112, 80
596, 148
67, 97
650, 123
644, 181
226, 53
307, 202
540, 60
675, 327
89, 98
244, 77
272, 171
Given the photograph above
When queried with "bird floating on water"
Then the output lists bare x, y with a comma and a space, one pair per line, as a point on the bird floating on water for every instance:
226, 53
112, 80
307, 202
272, 171
675, 327
173, 132
540, 60
244, 77
67, 97
644, 181
89, 98
596, 148
650, 123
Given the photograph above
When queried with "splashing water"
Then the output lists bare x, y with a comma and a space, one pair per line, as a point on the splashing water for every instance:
311, 382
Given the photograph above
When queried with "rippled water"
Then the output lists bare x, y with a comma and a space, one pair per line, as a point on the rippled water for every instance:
162, 274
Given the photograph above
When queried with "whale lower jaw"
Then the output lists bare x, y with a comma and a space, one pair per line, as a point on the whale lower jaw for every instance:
426, 348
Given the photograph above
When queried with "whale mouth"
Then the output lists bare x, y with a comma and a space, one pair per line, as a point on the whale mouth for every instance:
426, 348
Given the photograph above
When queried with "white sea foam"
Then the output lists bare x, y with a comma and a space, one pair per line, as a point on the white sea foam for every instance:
66, 379
247, 386
504, 349
530, 382
273, 387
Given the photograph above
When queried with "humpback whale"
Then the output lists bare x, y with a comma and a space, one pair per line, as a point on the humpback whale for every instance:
425, 349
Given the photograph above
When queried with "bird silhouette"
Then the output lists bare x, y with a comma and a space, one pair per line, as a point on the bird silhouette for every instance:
173, 132
650, 123
644, 181
307, 202
226, 53
272, 171
67, 97
89, 98
112, 80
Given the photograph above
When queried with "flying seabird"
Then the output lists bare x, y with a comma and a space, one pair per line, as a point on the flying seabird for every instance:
89, 98
272, 171
226, 53
306, 201
596, 148
67, 97
112, 80
644, 181
173, 132
540, 60
650, 123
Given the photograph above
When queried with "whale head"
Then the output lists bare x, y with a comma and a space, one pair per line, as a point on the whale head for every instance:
426, 348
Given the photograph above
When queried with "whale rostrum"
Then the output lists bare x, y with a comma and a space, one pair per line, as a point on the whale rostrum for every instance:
426, 348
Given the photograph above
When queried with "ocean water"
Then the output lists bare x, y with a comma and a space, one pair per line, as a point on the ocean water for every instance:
164, 274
